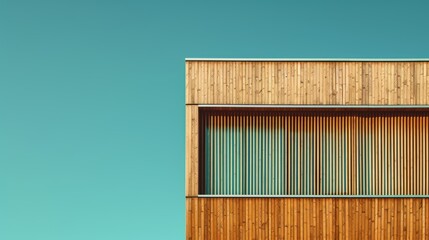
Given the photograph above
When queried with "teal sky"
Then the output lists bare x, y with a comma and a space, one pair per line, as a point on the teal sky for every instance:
92, 98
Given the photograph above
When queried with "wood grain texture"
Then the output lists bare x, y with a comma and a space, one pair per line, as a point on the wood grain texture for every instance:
306, 218
191, 162
359, 83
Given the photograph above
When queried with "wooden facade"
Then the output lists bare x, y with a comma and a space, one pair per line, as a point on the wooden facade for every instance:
341, 83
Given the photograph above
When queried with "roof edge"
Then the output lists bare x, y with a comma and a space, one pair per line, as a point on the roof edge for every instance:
309, 59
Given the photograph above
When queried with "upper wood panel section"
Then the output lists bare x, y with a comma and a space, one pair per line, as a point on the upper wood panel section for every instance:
307, 82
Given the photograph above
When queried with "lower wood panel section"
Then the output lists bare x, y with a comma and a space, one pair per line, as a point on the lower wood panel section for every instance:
307, 218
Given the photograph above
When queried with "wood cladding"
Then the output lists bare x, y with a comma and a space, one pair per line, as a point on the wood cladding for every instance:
383, 154
307, 218
361, 83
315, 152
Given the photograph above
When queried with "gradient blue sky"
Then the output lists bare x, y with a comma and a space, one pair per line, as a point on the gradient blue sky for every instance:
92, 98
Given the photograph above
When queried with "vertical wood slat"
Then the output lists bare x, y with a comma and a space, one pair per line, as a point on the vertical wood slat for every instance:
358, 153
191, 158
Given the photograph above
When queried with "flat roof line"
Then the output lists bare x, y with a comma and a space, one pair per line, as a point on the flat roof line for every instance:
312, 196
307, 106
309, 59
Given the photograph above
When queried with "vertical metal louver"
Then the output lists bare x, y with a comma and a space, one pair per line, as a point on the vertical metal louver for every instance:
314, 152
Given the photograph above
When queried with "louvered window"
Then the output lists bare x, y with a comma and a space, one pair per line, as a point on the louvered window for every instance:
314, 152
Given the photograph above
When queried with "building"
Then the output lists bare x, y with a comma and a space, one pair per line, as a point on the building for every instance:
307, 148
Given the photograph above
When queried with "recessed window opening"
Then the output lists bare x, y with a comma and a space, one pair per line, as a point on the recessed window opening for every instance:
314, 151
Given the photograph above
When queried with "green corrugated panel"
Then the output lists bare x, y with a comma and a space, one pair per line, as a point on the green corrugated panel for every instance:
296, 154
